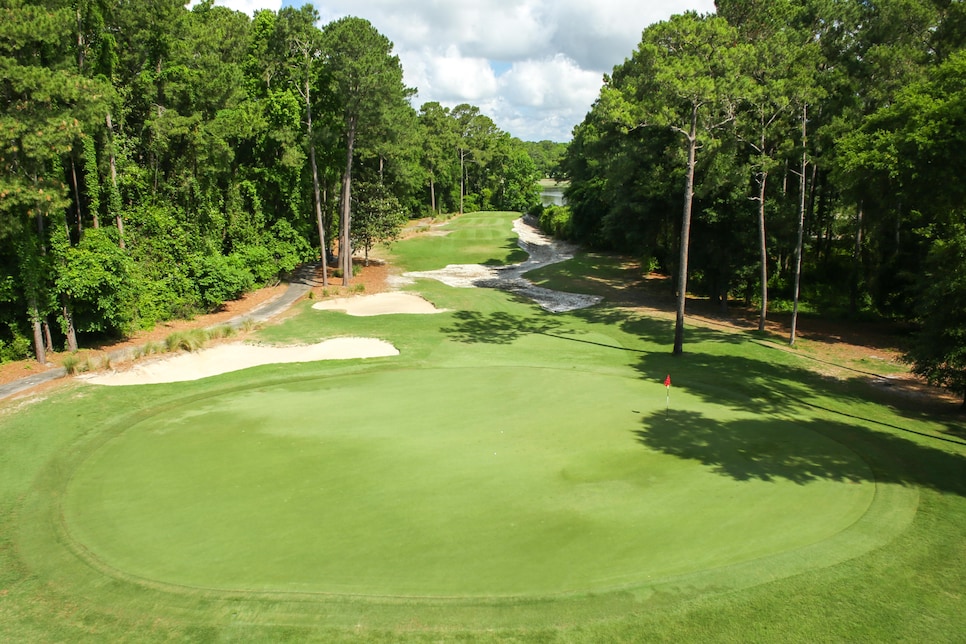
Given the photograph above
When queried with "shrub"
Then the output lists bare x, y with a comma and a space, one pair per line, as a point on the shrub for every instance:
220, 278
16, 348
556, 221
70, 363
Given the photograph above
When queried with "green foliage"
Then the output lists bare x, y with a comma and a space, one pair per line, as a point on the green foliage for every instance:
516, 177
205, 162
161, 247
96, 276
185, 129
15, 346
378, 217
938, 352
556, 221
219, 278
547, 156
91, 179
878, 87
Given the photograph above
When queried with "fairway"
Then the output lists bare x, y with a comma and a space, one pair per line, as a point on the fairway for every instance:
449, 482
510, 474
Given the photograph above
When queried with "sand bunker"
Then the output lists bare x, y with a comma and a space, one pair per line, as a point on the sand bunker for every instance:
235, 356
379, 304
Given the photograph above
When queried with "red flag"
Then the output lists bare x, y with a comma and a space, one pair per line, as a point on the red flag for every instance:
667, 381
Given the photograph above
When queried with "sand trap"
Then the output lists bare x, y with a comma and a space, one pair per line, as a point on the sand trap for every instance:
235, 356
379, 304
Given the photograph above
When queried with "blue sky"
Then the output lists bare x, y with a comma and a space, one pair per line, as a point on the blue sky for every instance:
534, 66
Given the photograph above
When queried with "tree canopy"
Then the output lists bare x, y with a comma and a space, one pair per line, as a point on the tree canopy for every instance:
839, 124
157, 161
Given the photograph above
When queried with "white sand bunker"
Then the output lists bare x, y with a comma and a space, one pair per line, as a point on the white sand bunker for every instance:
379, 304
235, 356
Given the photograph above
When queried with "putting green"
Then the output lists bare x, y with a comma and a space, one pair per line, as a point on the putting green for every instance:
435, 483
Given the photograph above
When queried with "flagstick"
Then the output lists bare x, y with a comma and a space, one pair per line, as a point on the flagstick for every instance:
667, 404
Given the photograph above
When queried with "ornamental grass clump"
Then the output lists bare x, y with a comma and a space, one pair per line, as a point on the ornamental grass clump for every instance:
70, 363
186, 340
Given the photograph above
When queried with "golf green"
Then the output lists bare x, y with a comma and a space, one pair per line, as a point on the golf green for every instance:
460, 482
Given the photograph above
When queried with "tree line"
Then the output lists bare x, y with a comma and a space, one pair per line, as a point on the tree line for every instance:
799, 153
156, 161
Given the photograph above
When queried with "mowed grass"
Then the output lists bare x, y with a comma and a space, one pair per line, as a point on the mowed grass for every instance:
474, 238
511, 475
390, 496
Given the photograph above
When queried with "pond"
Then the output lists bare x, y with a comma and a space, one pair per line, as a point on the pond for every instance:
552, 192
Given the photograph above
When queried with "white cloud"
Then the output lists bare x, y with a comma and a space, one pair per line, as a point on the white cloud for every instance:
449, 77
551, 83
247, 7
551, 54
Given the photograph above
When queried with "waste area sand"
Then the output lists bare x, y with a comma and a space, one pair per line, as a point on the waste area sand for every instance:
233, 356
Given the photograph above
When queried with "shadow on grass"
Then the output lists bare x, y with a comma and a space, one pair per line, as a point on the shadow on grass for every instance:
504, 328
761, 381
775, 387
660, 331
514, 254
766, 450
499, 327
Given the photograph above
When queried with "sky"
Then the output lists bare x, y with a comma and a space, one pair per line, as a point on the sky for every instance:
534, 66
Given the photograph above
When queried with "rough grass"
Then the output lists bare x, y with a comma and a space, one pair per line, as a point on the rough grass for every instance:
363, 500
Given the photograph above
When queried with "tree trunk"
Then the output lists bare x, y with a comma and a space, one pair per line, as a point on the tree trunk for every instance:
48, 339
856, 261
39, 352
462, 178
69, 324
66, 309
320, 223
80, 41
763, 241
801, 228
686, 234
77, 202
432, 195
345, 247
115, 199
33, 303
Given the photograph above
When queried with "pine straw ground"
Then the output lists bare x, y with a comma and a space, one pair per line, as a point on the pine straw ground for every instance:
869, 351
